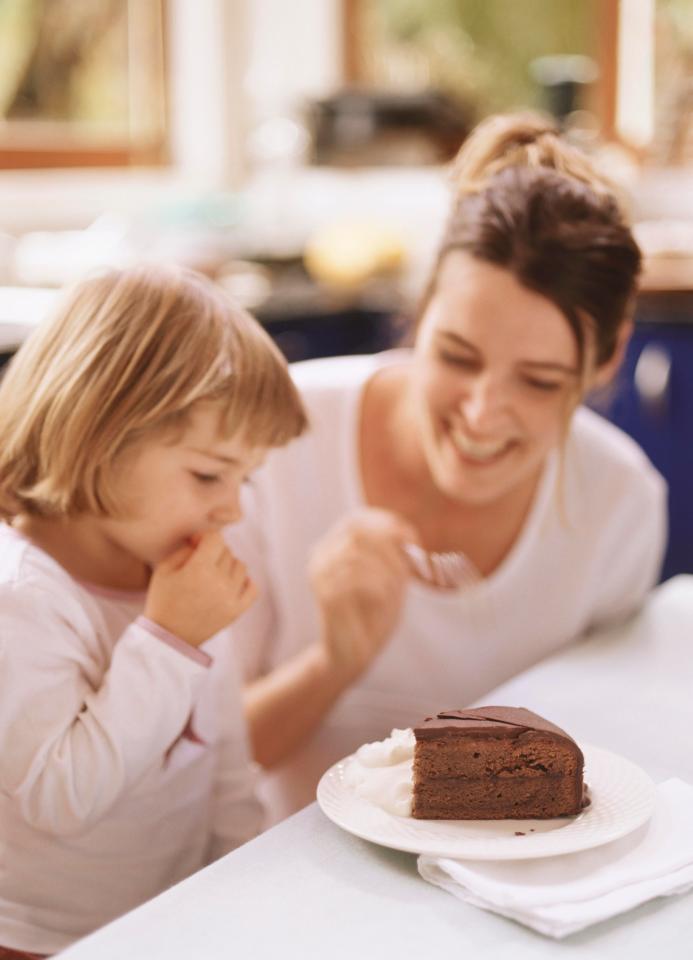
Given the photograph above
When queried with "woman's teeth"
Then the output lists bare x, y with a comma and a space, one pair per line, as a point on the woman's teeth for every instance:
476, 450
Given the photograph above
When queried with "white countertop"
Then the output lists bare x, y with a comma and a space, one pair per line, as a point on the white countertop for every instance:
307, 889
22, 309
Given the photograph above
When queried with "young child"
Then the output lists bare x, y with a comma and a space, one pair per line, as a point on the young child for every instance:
128, 423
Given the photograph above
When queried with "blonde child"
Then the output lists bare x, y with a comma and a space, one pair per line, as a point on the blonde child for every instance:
128, 423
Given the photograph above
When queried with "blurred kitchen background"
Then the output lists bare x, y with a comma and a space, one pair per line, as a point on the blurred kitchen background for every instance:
296, 152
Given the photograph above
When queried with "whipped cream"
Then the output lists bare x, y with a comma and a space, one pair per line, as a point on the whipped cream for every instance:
381, 772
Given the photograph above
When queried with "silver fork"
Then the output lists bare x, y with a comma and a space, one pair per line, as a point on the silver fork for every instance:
448, 570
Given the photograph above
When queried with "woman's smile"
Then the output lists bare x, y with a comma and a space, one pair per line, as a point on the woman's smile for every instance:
479, 451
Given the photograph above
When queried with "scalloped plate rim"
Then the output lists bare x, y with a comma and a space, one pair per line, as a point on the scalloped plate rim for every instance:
595, 826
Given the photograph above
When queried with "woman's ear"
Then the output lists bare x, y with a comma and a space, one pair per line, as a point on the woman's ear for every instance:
605, 374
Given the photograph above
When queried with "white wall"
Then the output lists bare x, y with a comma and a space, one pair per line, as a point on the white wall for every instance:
237, 63
207, 59
295, 52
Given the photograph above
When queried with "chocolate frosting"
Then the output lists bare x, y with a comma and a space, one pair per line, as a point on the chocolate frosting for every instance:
489, 721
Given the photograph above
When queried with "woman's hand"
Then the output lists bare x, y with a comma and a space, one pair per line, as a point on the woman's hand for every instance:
199, 590
359, 574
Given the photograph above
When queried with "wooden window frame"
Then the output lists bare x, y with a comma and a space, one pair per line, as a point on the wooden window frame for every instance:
606, 27
58, 146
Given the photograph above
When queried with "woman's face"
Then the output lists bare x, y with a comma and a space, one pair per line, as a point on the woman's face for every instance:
495, 375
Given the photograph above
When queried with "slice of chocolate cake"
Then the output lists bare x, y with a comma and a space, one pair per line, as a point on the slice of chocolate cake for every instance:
495, 763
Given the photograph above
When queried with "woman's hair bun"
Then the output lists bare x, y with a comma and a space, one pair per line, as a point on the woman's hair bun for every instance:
526, 139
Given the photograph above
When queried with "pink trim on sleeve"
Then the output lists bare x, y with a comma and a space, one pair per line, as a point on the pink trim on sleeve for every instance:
173, 641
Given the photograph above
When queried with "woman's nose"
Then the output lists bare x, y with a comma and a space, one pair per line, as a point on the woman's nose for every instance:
483, 404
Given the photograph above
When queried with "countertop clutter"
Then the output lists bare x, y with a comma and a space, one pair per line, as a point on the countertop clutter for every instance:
668, 274
668, 247
306, 888
21, 309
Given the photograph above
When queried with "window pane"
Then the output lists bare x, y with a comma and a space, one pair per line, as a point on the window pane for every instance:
481, 51
673, 83
81, 73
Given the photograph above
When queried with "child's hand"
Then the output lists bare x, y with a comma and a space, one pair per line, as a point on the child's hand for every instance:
359, 574
199, 590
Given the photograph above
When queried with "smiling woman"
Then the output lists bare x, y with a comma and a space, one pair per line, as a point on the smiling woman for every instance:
471, 443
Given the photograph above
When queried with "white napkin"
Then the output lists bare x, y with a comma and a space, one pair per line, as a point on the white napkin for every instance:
560, 895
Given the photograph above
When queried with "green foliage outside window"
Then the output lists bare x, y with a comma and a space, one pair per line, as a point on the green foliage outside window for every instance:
478, 50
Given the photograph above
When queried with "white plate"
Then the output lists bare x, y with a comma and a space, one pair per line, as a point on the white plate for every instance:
622, 796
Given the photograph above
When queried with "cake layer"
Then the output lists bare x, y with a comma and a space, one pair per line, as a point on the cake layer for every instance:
526, 798
532, 754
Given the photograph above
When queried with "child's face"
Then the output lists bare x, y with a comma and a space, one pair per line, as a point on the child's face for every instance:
496, 375
172, 490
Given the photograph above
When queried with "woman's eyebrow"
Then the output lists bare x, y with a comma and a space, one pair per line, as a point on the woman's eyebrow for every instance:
549, 366
457, 339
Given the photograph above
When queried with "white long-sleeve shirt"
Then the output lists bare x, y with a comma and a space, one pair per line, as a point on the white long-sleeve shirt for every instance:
123, 753
589, 551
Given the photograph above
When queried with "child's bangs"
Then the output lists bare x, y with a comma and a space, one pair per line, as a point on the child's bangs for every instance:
259, 397
220, 354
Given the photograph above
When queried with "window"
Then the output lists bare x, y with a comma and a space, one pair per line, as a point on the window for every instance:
671, 133
81, 83
486, 54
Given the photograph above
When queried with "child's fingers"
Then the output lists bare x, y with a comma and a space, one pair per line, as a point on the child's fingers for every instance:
237, 575
212, 548
228, 564
177, 559
248, 593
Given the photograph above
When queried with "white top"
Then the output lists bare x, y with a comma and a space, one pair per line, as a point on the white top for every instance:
123, 755
590, 550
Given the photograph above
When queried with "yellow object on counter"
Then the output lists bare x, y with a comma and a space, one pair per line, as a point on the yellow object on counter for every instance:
347, 253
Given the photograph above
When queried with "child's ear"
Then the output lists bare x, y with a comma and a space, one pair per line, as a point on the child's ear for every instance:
608, 370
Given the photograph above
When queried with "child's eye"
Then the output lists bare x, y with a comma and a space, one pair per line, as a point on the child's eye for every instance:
206, 478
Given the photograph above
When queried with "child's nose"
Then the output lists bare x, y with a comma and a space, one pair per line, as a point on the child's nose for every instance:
227, 511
